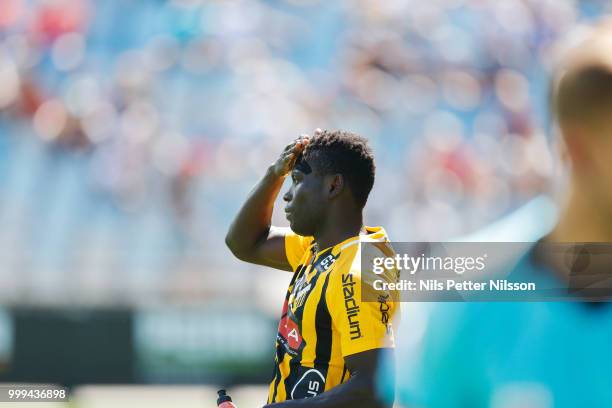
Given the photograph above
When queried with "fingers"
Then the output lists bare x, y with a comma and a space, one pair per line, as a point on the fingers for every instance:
296, 148
289, 156
290, 147
299, 144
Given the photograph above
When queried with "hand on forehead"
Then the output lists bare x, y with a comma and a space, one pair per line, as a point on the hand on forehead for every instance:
301, 164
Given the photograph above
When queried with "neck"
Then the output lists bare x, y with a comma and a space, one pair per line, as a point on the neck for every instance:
584, 219
338, 229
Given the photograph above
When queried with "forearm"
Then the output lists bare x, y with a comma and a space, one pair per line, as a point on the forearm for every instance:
253, 221
355, 393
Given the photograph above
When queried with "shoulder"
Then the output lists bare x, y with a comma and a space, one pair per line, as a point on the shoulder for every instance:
293, 239
295, 247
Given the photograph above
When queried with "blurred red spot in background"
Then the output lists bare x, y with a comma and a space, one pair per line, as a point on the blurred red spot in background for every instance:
10, 12
58, 17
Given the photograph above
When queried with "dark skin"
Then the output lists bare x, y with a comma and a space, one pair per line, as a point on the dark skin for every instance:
317, 205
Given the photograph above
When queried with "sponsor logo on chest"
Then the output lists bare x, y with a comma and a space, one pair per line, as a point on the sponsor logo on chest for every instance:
351, 306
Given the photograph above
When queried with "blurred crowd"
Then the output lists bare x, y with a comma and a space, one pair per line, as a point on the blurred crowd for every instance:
131, 131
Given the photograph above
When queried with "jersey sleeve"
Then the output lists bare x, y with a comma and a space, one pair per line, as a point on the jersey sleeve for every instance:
295, 247
361, 315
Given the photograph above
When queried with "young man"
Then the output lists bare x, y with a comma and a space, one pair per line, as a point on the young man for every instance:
538, 354
329, 340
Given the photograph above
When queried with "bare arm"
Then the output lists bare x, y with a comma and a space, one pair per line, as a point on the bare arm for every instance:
358, 391
251, 237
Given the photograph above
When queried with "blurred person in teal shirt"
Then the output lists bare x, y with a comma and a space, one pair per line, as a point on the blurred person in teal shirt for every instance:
534, 354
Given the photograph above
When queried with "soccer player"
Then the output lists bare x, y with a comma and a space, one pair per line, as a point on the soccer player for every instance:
329, 339
536, 354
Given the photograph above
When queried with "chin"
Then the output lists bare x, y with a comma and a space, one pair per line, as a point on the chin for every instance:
300, 230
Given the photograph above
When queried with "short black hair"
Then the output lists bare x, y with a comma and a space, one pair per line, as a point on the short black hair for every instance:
346, 153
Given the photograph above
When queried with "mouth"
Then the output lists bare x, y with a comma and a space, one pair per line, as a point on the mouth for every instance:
288, 214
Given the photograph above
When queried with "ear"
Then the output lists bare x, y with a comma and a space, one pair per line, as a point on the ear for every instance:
574, 147
561, 147
335, 185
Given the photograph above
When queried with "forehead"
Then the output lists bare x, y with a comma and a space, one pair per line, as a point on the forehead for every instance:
302, 166
305, 172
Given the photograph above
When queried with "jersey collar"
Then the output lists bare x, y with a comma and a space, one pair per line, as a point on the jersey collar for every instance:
374, 234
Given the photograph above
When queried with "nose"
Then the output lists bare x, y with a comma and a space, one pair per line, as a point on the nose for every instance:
288, 196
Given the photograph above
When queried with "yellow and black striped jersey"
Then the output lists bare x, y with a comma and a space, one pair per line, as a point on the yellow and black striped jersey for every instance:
324, 317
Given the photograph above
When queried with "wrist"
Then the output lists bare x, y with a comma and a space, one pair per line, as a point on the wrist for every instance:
272, 173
